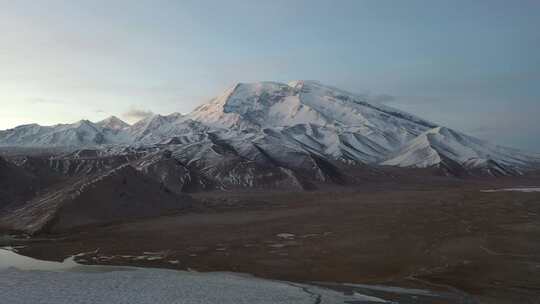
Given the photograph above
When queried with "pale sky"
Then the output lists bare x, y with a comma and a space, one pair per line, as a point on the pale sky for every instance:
470, 65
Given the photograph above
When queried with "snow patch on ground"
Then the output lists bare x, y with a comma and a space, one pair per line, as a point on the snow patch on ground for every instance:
521, 189
285, 235
393, 289
8, 258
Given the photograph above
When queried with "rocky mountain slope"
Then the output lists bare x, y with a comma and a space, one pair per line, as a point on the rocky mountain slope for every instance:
16, 184
102, 196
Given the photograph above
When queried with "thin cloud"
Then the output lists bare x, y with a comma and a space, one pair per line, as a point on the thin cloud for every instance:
135, 115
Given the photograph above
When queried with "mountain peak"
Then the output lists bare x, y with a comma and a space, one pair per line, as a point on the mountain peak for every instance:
301, 82
113, 122
83, 123
273, 104
112, 118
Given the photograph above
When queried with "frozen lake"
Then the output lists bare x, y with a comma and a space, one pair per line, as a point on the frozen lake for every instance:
25, 280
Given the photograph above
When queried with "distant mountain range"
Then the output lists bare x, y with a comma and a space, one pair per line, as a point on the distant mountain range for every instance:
303, 117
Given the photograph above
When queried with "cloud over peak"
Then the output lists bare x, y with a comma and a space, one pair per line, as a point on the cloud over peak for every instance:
133, 115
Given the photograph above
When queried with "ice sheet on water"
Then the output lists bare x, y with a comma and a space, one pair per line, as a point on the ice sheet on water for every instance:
159, 286
146, 285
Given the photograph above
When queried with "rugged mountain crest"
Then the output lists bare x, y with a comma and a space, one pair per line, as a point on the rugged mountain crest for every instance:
439, 145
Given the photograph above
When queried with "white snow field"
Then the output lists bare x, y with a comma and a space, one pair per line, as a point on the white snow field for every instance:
8, 258
70, 283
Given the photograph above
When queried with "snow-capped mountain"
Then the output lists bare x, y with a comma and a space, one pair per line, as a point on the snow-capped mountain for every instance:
298, 136
302, 125
315, 117
271, 104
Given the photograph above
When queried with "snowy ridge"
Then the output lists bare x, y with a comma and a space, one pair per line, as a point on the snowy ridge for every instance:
80, 134
261, 122
437, 144
159, 129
